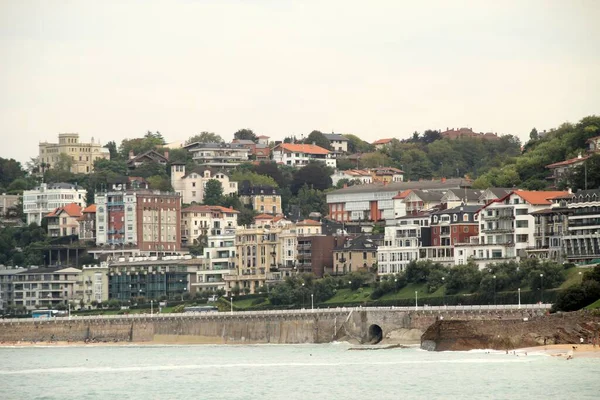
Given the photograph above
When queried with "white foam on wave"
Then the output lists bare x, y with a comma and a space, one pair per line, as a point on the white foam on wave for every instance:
150, 368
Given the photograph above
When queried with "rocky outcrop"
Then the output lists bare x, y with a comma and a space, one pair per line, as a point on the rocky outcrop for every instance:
502, 334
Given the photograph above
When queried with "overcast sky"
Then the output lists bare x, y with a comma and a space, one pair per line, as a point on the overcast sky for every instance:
116, 69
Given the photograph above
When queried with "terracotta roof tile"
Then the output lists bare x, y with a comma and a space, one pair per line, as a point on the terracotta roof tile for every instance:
568, 162
90, 209
72, 209
402, 195
303, 148
382, 141
539, 197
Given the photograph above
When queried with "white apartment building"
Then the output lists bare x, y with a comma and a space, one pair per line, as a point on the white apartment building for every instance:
298, 155
337, 142
83, 155
191, 186
402, 244
218, 155
506, 228
361, 175
39, 202
218, 262
198, 220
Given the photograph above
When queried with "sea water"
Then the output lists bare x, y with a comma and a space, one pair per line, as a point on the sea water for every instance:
329, 371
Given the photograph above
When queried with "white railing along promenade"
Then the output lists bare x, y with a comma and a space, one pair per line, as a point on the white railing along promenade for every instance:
338, 310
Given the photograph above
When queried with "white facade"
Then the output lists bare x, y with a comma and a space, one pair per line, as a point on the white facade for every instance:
401, 245
299, 155
207, 220
506, 229
46, 198
220, 155
362, 176
191, 187
219, 261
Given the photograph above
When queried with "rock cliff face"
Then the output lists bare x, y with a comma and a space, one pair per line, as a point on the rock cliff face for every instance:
511, 334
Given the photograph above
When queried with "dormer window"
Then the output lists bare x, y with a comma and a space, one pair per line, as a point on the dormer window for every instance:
455, 217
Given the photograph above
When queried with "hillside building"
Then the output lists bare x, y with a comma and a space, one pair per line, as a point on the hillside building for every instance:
39, 202
299, 155
192, 185
82, 155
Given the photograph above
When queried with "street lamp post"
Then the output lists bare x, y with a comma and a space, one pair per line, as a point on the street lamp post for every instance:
443, 281
494, 289
303, 296
519, 291
542, 287
580, 277
231, 303
151, 307
416, 300
312, 302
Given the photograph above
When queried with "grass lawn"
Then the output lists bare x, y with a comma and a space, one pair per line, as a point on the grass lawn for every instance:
346, 295
246, 303
572, 277
595, 305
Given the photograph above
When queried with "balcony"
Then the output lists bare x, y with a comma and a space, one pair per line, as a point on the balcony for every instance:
499, 230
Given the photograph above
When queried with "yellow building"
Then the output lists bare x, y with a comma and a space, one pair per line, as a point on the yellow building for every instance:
358, 254
263, 199
83, 155
94, 284
258, 251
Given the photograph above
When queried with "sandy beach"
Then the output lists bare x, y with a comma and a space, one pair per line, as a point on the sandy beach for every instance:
564, 350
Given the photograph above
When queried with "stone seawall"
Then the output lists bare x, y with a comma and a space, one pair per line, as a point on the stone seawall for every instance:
361, 325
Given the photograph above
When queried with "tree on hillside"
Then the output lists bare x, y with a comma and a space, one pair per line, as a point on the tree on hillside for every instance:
315, 175
64, 163
150, 141
430, 136
112, 149
10, 170
317, 138
213, 193
357, 145
270, 169
533, 135
376, 159
114, 165
252, 177
245, 134
205, 137
310, 200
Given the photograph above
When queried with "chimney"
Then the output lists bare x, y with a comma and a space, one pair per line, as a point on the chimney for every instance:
131, 155
443, 180
314, 143
345, 185
167, 154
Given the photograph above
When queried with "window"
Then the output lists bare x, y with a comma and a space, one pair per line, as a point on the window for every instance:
466, 229
454, 229
523, 224
466, 218
522, 238
455, 217
521, 211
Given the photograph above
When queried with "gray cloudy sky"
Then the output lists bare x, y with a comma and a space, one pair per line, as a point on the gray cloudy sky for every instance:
115, 69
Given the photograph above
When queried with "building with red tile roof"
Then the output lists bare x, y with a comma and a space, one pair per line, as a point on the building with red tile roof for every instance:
64, 221
298, 155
